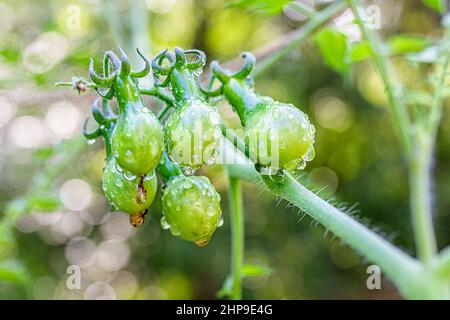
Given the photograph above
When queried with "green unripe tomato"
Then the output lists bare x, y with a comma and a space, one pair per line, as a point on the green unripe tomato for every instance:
191, 209
137, 141
127, 192
280, 135
192, 135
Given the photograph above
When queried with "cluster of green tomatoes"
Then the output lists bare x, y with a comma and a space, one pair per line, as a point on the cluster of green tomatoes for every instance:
141, 146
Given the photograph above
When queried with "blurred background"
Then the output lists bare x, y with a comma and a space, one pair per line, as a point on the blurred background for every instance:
52, 210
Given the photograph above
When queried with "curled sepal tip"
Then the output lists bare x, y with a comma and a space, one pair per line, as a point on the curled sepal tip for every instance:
157, 63
219, 72
108, 94
207, 91
247, 67
90, 135
147, 67
101, 81
125, 69
199, 60
180, 57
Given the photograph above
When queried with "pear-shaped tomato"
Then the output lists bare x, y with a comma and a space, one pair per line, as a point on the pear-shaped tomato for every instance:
192, 135
137, 140
191, 209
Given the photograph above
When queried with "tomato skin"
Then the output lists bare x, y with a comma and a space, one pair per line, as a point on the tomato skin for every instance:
137, 140
192, 134
280, 135
191, 208
122, 188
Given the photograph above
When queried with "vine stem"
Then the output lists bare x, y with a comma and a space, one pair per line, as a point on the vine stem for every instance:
400, 267
237, 235
379, 54
270, 54
418, 150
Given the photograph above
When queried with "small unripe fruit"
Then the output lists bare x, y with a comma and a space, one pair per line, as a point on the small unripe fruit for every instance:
280, 136
192, 135
127, 192
191, 209
137, 141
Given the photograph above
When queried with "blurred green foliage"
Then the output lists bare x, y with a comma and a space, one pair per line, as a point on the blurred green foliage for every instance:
357, 158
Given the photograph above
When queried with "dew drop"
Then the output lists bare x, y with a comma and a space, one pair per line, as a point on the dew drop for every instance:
187, 185
214, 117
302, 165
129, 176
174, 230
211, 212
118, 183
164, 224
276, 113
220, 222
90, 141
188, 171
211, 160
310, 155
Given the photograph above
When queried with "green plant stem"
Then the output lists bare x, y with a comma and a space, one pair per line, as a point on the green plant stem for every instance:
399, 267
158, 94
303, 9
420, 201
379, 53
439, 88
443, 264
417, 150
280, 49
237, 235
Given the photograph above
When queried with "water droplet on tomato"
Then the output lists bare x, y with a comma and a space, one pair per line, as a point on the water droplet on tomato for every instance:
164, 224
302, 165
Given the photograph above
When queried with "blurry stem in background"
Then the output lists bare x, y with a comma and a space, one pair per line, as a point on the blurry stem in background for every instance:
303, 9
137, 20
270, 54
416, 143
379, 54
237, 235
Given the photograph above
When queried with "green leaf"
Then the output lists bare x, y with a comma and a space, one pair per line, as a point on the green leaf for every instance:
360, 51
43, 154
407, 43
428, 55
437, 5
13, 272
397, 45
334, 49
45, 203
252, 270
267, 7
